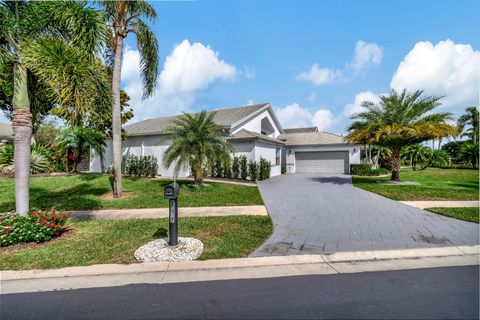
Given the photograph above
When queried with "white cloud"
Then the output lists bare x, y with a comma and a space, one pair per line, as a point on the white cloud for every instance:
295, 116
366, 54
319, 76
192, 67
356, 106
443, 69
248, 72
188, 69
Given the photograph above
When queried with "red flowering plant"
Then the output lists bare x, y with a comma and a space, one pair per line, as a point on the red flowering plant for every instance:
38, 226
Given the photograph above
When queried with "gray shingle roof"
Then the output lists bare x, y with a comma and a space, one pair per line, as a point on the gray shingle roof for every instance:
298, 130
244, 134
6, 132
223, 117
310, 138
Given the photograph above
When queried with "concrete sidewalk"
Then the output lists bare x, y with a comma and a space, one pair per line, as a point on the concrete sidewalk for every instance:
110, 275
163, 212
441, 204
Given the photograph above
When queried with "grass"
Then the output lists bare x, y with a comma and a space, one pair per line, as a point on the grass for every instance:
87, 191
467, 214
433, 184
115, 241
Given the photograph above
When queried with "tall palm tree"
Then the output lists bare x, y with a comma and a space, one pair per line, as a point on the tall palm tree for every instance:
470, 117
127, 17
400, 119
197, 141
42, 38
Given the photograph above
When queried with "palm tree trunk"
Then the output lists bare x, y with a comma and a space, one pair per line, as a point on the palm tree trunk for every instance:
116, 121
22, 133
198, 174
395, 163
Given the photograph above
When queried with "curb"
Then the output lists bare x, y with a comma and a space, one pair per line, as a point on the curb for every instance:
108, 275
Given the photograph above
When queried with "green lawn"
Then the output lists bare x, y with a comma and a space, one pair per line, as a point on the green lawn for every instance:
89, 191
115, 241
467, 214
433, 184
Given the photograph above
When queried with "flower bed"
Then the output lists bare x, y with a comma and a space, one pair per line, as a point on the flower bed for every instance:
37, 227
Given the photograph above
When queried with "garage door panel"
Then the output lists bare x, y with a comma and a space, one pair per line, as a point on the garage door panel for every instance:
322, 161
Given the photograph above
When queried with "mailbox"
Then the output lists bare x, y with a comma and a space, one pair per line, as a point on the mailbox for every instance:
171, 191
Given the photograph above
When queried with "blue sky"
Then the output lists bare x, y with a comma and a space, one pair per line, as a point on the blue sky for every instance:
300, 56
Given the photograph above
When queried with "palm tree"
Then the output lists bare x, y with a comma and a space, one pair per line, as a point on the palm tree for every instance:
469, 154
399, 120
416, 154
470, 117
125, 17
42, 38
197, 141
77, 141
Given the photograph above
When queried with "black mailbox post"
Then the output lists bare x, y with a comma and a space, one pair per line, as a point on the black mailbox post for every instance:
171, 193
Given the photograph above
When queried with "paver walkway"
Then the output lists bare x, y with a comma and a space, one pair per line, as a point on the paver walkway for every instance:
318, 213
441, 204
163, 212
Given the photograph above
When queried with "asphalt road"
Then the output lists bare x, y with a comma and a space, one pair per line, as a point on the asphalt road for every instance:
447, 293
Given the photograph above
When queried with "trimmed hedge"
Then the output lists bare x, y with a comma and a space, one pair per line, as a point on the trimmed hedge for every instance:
366, 170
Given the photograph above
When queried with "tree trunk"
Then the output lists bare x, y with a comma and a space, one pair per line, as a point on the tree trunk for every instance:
22, 135
116, 121
198, 174
395, 163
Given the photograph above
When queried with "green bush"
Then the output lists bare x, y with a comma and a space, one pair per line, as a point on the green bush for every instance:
133, 165
37, 227
6, 153
367, 170
227, 168
264, 169
235, 168
253, 170
243, 168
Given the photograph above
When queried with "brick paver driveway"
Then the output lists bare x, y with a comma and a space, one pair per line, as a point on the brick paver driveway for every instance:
317, 213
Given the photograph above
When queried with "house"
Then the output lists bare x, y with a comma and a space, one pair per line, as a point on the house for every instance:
254, 132
6, 134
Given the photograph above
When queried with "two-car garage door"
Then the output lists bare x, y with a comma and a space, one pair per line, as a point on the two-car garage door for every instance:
322, 161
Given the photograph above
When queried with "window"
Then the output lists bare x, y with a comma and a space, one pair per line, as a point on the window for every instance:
277, 156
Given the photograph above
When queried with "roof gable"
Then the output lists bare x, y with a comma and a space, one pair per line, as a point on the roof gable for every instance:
223, 117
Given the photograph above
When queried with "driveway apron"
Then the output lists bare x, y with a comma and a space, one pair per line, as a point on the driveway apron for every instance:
315, 213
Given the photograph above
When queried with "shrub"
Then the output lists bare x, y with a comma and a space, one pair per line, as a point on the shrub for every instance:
243, 167
264, 169
227, 168
253, 170
235, 168
356, 168
367, 170
217, 169
6, 153
133, 165
37, 227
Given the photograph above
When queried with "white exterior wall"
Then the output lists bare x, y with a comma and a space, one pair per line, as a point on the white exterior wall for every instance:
353, 152
268, 151
255, 124
153, 145
246, 149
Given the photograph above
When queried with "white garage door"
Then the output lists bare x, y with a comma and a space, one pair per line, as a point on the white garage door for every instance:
322, 161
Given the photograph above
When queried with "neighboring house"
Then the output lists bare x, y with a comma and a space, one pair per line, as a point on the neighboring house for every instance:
6, 134
254, 132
